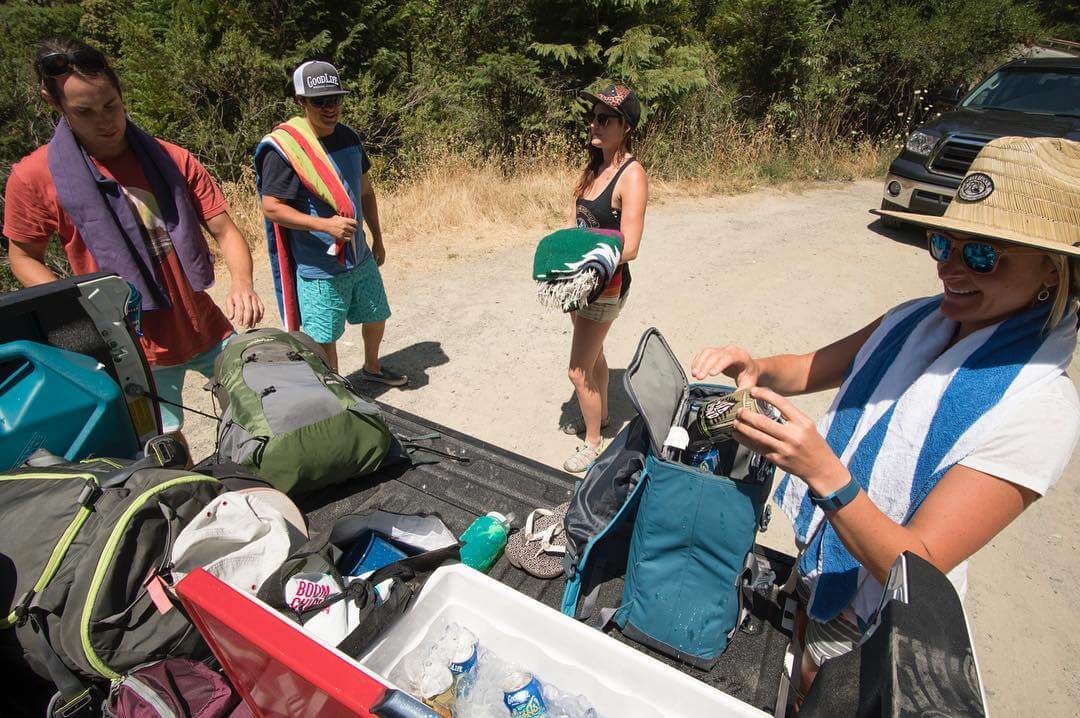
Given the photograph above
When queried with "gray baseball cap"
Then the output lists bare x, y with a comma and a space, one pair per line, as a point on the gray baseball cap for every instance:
316, 79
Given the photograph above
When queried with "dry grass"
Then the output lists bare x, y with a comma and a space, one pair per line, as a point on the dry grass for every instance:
740, 159
244, 207
460, 193
452, 194
464, 192
476, 194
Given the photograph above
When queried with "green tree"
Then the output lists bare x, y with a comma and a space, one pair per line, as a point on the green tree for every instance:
764, 48
894, 49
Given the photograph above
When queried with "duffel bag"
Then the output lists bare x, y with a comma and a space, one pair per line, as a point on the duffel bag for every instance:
291, 419
81, 547
659, 548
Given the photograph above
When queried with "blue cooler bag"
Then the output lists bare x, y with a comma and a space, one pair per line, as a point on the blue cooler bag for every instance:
659, 548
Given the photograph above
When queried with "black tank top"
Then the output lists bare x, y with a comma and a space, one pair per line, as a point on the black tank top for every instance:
599, 213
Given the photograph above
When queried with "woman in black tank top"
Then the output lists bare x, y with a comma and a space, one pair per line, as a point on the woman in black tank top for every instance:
610, 194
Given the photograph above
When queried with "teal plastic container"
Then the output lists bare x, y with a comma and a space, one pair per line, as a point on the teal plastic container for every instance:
483, 542
61, 401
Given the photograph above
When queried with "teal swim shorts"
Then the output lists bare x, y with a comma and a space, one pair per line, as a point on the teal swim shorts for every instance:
356, 297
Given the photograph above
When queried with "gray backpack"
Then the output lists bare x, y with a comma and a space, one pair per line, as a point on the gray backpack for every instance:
78, 545
289, 418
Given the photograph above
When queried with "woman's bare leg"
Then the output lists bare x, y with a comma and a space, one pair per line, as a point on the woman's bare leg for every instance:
808, 670
600, 379
587, 345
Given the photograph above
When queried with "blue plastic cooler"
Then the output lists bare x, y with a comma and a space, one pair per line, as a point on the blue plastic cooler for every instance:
61, 401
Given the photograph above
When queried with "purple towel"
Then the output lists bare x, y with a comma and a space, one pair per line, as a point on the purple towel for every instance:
107, 224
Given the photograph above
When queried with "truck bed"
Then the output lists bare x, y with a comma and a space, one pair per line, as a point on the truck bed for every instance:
890, 674
496, 480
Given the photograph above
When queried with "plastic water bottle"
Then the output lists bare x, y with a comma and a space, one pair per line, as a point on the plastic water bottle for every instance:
484, 541
455, 674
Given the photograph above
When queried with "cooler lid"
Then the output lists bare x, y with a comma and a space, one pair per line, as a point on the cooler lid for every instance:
656, 385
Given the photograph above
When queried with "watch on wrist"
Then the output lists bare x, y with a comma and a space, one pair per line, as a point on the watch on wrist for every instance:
837, 499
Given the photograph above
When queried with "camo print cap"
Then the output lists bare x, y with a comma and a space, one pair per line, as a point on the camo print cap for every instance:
619, 98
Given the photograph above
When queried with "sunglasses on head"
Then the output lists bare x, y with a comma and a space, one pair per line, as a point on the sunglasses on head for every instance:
979, 256
327, 101
58, 64
602, 118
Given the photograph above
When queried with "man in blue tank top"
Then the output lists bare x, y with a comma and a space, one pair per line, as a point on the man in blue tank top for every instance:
332, 287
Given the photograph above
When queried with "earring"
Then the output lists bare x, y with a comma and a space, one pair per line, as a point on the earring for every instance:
1043, 295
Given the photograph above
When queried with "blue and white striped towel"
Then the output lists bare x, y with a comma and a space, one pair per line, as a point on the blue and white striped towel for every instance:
907, 411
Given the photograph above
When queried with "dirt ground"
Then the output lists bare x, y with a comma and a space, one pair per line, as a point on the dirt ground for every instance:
773, 271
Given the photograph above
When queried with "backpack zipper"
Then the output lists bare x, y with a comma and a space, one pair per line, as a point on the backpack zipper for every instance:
60, 550
103, 563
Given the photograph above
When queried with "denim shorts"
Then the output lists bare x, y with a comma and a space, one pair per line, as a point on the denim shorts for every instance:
169, 381
356, 296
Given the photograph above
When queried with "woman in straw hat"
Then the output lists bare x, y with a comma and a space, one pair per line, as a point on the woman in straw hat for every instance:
954, 413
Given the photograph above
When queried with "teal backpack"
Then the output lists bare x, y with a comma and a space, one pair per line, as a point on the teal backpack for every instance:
661, 549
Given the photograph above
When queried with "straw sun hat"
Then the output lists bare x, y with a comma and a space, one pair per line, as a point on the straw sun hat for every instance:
1023, 190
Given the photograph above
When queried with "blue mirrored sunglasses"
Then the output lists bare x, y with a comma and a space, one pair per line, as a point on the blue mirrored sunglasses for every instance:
980, 257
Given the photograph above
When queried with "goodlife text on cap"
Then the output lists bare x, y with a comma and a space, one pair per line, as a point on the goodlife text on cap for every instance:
323, 79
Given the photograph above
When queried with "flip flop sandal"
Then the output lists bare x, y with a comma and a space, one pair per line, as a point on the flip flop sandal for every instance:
577, 426
539, 547
520, 542
525, 545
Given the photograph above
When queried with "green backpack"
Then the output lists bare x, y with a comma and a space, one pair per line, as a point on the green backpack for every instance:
77, 545
291, 419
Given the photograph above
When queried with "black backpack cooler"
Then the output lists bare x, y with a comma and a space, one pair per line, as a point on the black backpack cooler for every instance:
660, 548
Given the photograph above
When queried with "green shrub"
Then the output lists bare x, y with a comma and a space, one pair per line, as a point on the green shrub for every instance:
764, 48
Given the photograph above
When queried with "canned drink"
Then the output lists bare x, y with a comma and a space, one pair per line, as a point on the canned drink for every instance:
716, 417
463, 663
707, 459
443, 703
523, 696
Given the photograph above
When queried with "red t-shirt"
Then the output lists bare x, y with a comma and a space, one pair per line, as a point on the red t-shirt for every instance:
194, 323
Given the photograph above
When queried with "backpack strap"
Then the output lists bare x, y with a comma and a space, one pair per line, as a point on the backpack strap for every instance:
407, 575
161, 452
74, 699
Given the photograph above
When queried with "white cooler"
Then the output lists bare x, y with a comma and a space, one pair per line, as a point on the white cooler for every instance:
619, 681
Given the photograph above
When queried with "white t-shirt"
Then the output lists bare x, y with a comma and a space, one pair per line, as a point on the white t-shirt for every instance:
1032, 448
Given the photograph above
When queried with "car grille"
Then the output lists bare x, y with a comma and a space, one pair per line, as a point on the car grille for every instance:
956, 154
933, 202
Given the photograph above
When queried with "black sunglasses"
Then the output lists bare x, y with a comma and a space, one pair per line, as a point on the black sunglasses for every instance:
602, 118
58, 64
327, 101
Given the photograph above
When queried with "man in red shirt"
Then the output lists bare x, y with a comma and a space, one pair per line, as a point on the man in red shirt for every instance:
114, 180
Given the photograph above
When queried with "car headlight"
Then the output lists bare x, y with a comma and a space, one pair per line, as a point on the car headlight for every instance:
921, 143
